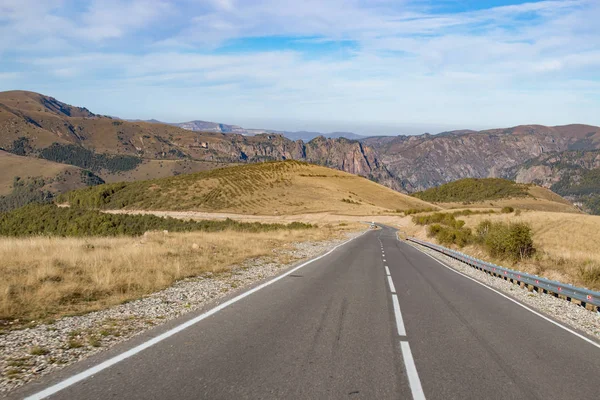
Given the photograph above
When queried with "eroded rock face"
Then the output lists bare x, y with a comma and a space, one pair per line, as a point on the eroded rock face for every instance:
430, 160
540, 175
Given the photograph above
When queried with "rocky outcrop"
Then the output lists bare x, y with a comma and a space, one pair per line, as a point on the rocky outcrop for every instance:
427, 160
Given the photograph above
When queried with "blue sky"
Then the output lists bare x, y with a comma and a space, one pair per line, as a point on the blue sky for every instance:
372, 67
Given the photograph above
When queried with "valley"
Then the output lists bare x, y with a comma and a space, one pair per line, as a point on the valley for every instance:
113, 227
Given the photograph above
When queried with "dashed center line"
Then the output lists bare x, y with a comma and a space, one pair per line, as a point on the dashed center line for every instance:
398, 314
409, 363
411, 370
391, 283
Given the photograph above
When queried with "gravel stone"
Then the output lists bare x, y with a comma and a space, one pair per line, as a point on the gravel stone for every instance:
569, 313
71, 339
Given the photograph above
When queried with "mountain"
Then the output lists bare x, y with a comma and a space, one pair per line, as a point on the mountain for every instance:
304, 135
283, 187
206, 126
39, 126
573, 174
425, 161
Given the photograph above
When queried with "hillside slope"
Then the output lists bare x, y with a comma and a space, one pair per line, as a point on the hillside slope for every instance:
25, 179
274, 188
495, 192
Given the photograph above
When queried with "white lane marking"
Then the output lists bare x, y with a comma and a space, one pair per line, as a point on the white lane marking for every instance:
514, 301
398, 314
391, 283
112, 361
411, 371
387, 271
384, 260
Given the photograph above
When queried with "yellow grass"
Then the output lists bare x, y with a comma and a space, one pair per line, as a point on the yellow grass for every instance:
277, 188
50, 277
572, 236
153, 169
567, 245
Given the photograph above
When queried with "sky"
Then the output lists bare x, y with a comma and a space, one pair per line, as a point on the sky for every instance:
366, 66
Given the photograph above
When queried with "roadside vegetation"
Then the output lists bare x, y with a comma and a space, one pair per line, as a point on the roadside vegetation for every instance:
559, 246
511, 241
48, 277
412, 211
473, 190
48, 219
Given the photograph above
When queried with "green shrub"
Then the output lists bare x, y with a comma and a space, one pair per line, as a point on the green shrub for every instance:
448, 235
412, 211
507, 210
473, 190
433, 230
48, 219
503, 240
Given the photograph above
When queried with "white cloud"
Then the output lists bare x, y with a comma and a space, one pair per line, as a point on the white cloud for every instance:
533, 62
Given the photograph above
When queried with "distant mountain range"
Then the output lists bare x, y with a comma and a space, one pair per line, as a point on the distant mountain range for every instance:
33, 126
206, 126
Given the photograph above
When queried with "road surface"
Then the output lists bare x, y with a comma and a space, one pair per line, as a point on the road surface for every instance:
340, 328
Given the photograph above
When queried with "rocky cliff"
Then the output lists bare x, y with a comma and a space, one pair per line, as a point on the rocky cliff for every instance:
425, 161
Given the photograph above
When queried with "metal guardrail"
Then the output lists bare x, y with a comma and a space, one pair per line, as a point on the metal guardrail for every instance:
556, 288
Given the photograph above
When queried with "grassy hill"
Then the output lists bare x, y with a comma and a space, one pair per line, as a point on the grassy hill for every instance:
495, 192
472, 190
24, 180
272, 188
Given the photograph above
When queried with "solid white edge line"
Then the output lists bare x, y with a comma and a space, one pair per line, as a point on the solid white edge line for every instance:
387, 271
391, 283
513, 300
112, 361
411, 371
398, 314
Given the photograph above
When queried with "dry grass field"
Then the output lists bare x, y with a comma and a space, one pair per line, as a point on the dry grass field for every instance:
272, 188
566, 243
45, 278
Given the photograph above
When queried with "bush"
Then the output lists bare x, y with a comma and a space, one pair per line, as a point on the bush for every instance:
473, 190
48, 219
507, 210
503, 240
412, 211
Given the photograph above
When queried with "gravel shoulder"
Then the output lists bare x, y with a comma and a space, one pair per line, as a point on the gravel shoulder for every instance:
32, 352
564, 311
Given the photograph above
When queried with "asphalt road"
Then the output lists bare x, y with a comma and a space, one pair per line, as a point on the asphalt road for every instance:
337, 328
